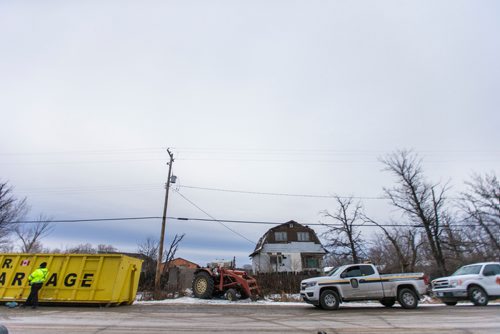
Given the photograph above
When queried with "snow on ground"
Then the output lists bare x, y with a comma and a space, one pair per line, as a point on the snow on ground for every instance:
265, 301
274, 300
215, 301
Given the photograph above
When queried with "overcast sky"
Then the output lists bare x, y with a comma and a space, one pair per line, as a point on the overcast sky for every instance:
296, 97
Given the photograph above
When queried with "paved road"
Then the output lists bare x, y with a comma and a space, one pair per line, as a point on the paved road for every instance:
179, 318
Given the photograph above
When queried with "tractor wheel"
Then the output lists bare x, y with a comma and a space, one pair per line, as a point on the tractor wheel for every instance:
232, 295
203, 285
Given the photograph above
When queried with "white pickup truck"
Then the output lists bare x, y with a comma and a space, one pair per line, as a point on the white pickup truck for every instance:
357, 282
477, 282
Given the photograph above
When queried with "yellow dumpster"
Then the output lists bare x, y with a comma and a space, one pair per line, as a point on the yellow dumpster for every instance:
110, 279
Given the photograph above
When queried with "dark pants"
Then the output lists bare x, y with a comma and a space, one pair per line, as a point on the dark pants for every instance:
33, 297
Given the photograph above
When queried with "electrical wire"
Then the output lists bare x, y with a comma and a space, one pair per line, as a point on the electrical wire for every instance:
81, 162
80, 189
83, 220
155, 187
90, 152
221, 221
227, 227
280, 194
209, 150
310, 155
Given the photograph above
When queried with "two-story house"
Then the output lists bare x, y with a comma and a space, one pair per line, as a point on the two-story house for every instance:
289, 247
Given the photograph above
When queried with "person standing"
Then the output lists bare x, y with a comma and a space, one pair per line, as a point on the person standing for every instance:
36, 280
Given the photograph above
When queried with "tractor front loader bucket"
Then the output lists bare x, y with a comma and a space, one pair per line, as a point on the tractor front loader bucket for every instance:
247, 285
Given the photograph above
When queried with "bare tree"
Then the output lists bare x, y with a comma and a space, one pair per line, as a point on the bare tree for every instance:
82, 249
149, 249
423, 203
88, 248
30, 234
6, 248
102, 248
169, 255
403, 242
480, 205
343, 237
12, 209
456, 242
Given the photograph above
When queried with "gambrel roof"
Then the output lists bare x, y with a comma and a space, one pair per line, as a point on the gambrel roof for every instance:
267, 238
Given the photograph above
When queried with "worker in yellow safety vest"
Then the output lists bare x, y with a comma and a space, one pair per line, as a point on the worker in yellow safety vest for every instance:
36, 280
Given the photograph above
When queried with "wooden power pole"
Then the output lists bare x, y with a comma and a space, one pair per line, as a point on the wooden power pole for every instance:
163, 222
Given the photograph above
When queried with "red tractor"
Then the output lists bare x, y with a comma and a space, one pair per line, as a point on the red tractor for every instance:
216, 280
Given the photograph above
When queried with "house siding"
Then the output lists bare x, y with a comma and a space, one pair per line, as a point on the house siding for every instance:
290, 255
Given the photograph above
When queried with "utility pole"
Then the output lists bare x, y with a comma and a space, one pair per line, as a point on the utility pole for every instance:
163, 222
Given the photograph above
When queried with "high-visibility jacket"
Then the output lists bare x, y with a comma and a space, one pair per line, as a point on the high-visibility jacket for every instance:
38, 276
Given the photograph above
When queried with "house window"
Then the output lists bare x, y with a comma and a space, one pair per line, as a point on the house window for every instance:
280, 236
303, 236
311, 263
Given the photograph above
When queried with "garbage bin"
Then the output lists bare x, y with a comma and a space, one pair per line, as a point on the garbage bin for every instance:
110, 279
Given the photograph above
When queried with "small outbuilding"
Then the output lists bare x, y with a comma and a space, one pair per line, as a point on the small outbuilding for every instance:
179, 262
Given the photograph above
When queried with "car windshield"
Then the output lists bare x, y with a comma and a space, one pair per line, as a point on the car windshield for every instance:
333, 271
468, 270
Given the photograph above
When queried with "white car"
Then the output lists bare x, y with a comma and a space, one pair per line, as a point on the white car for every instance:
478, 282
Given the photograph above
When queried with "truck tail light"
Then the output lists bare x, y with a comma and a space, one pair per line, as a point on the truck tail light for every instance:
426, 280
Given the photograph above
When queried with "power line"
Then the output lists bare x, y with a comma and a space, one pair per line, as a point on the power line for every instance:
312, 150
208, 150
83, 220
79, 162
279, 194
292, 195
155, 187
111, 188
311, 155
88, 152
234, 221
280, 223
227, 227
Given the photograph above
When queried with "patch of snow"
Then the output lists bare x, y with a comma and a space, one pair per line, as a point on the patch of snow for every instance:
277, 299
215, 301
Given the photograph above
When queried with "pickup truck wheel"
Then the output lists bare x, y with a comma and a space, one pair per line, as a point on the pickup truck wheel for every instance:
478, 296
451, 303
388, 302
407, 298
329, 300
